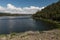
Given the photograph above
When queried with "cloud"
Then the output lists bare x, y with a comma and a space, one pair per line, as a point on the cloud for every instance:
25, 10
10, 6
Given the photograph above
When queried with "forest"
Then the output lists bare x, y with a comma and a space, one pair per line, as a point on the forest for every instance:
9, 14
51, 12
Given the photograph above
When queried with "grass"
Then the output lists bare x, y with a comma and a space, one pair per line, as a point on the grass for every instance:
54, 23
3, 35
33, 35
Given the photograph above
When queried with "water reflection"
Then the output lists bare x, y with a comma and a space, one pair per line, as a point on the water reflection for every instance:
21, 24
4, 27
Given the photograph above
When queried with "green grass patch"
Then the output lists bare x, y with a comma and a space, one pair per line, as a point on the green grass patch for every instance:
54, 23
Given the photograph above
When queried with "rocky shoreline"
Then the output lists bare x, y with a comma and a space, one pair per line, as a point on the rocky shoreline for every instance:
34, 35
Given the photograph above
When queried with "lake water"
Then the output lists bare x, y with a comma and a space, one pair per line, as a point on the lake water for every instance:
10, 24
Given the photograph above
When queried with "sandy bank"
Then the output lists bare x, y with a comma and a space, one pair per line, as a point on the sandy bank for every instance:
34, 35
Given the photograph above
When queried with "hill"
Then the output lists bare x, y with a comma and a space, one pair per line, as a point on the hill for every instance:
51, 12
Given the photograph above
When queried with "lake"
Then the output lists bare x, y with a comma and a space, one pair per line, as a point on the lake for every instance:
10, 24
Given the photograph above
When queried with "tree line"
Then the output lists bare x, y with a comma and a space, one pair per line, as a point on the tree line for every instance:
50, 12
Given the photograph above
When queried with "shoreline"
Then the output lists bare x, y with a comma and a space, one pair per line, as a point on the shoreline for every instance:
54, 23
33, 35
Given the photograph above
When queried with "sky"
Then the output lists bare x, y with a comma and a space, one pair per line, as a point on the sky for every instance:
24, 6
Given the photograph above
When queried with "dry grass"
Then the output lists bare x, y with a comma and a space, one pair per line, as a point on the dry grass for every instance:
33, 35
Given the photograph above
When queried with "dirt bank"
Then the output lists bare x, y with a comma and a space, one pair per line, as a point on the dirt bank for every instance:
33, 35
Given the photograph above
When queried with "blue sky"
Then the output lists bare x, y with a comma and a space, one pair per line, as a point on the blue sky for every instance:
24, 3
24, 6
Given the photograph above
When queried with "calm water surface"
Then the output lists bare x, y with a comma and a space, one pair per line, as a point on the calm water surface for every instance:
10, 24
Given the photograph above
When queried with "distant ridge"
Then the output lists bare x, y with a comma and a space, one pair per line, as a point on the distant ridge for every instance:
9, 14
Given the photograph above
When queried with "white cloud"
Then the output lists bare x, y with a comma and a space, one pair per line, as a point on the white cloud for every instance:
25, 10
10, 6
